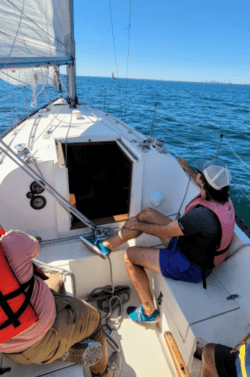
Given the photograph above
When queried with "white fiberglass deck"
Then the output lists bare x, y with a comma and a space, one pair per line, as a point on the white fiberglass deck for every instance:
143, 355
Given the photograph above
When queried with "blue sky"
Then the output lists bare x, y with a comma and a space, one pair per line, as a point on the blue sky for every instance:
186, 40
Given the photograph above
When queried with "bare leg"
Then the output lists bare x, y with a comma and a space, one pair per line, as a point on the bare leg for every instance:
121, 237
148, 215
136, 258
208, 367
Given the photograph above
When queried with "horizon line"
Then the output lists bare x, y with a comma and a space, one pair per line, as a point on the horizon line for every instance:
182, 81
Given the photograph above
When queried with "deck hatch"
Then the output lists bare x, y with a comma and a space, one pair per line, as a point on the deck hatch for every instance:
99, 181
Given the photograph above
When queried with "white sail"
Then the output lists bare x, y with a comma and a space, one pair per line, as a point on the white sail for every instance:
31, 76
35, 32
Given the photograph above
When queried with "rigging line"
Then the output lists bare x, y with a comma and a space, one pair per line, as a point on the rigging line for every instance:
64, 86
112, 28
121, 98
110, 12
43, 131
179, 139
44, 84
14, 78
125, 107
48, 90
35, 85
27, 107
21, 38
19, 23
61, 120
133, 131
241, 190
46, 20
236, 153
56, 118
31, 172
132, 99
189, 125
210, 157
12, 111
39, 27
179, 212
3, 99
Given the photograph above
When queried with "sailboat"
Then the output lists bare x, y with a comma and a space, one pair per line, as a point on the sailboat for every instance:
69, 170
113, 76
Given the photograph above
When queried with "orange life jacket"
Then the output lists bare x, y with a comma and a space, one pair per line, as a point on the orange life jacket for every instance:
16, 310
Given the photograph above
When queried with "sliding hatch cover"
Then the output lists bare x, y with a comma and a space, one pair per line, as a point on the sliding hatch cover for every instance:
100, 175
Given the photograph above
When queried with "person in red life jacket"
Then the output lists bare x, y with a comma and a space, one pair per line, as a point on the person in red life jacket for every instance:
39, 325
198, 240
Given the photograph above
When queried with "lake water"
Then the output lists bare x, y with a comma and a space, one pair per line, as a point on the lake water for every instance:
189, 117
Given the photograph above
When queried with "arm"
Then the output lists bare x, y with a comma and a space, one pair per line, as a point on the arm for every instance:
187, 168
20, 246
163, 231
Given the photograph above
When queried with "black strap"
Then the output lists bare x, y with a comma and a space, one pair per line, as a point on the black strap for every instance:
13, 317
16, 293
39, 272
222, 251
4, 370
97, 331
204, 278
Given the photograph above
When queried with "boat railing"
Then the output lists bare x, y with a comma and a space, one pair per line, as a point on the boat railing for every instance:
26, 101
149, 117
47, 268
170, 118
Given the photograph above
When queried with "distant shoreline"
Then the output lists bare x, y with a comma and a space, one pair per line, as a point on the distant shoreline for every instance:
189, 82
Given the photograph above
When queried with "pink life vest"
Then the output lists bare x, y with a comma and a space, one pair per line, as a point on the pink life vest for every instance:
226, 216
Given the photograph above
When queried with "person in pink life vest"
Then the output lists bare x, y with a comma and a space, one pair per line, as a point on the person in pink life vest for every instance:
39, 323
198, 240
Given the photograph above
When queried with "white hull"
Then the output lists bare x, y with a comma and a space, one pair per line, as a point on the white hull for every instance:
187, 310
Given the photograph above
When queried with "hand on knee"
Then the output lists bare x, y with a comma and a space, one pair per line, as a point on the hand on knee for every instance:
145, 214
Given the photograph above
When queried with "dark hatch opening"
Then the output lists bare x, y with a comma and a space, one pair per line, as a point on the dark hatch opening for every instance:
99, 181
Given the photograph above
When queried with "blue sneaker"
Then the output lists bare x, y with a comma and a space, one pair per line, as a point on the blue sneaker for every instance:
96, 246
137, 315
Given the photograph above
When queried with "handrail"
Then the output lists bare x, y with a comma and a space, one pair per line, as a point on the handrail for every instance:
182, 123
63, 271
175, 354
12, 111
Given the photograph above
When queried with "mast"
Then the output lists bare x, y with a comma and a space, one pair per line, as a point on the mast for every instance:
71, 68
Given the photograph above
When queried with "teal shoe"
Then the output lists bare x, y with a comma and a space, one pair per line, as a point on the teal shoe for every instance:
96, 246
137, 315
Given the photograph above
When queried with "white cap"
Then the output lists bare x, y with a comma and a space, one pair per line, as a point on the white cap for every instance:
216, 173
